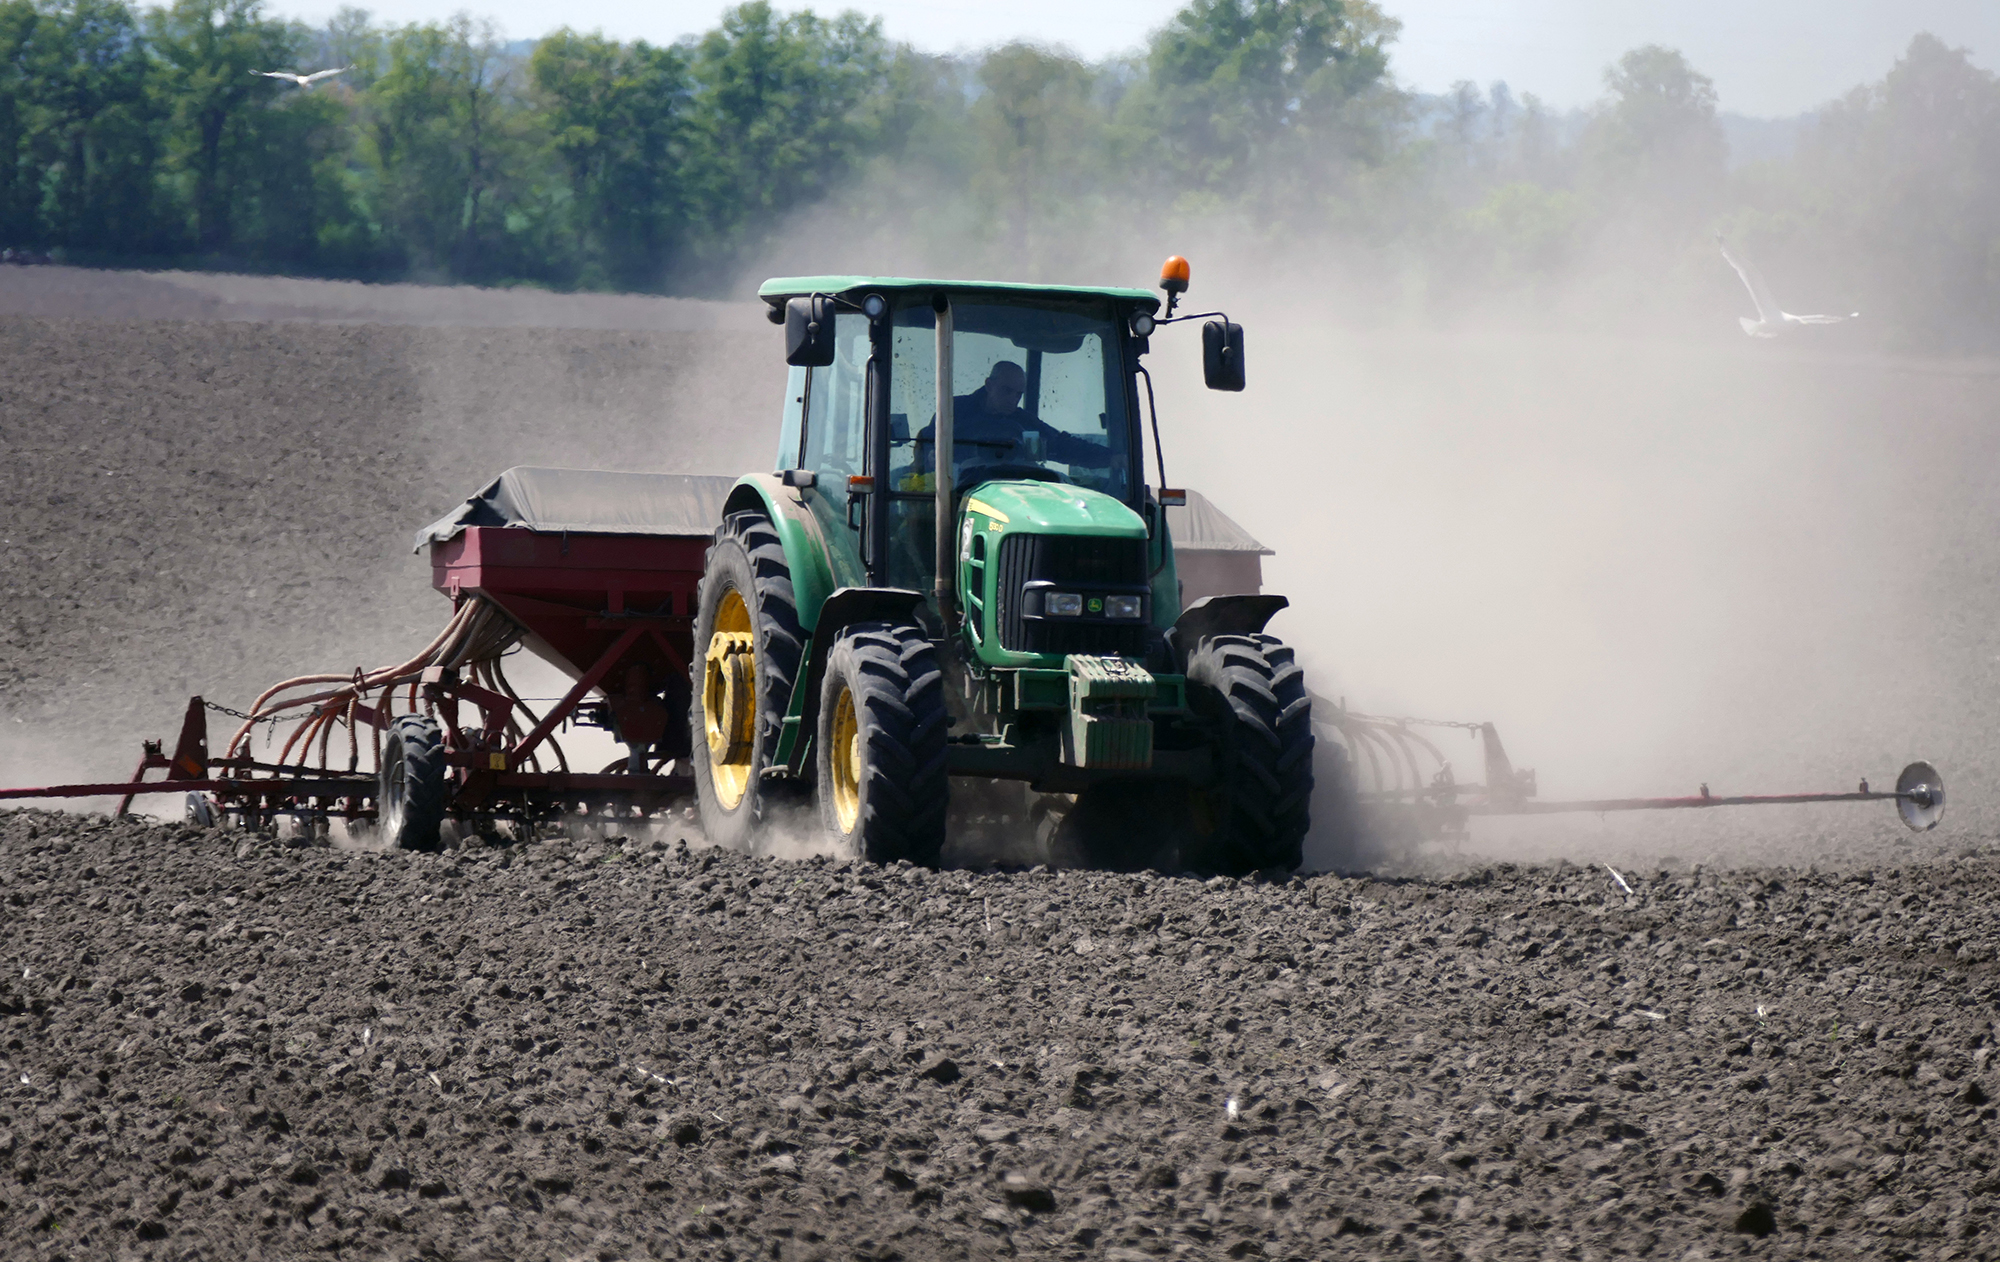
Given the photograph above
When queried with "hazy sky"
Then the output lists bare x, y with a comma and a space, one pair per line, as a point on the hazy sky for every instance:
1767, 57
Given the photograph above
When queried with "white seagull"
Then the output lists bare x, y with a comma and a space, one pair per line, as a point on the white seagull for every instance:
1771, 320
303, 80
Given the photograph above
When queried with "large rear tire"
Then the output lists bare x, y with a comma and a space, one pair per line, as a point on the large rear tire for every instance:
747, 644
1255, 815
410, 789
883, 790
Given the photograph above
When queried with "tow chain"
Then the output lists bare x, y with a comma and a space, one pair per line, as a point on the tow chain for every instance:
238, 714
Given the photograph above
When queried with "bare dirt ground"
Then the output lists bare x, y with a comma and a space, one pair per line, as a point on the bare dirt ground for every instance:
221, 1046
217, 1048
83, 293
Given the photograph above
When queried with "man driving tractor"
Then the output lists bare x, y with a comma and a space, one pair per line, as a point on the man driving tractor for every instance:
991, 427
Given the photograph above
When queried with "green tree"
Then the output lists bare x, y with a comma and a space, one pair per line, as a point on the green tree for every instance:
619, 117
1243, 95
351, 38
210, 53
294, 207
20, 203
1041, 137
81, 120
785, 109
448, 145
1655, 146
1898, 191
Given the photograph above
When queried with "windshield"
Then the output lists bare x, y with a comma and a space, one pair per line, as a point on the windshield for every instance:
1036, 390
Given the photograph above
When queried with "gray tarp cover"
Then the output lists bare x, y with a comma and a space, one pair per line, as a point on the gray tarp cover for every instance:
591, 502
1202, 527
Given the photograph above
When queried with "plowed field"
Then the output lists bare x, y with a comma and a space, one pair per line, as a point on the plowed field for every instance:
218, 1045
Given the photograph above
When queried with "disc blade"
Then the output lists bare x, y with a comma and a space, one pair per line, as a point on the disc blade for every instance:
1920, 796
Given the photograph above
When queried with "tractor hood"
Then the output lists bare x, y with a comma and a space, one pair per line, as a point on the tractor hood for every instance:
1052, 508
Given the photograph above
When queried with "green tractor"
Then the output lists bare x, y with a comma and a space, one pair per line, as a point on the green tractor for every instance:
878, 637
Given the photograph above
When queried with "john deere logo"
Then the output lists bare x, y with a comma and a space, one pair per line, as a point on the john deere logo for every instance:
1097, 604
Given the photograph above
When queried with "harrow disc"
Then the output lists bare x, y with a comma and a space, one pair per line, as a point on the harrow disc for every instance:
1920, 796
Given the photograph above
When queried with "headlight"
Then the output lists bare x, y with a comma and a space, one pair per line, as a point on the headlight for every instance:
1122, 606
1062, 604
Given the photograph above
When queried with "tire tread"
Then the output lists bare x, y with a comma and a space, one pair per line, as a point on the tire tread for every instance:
419, 743
893, 671
1256, 694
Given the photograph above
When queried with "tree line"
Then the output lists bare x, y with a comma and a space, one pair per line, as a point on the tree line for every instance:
148, 136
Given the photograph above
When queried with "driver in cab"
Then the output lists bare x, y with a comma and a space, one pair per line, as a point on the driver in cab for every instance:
989, 427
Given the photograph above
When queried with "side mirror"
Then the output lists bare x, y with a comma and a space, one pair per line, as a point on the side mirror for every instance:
809, 332
1222, 355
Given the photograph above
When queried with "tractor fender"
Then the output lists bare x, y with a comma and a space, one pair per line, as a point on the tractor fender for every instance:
799, 532
1221, 615
839, 611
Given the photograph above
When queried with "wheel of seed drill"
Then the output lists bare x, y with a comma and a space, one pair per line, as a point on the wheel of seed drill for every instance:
410, 792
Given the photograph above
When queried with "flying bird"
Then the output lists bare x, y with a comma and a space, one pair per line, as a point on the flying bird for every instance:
303, 80
1771, 320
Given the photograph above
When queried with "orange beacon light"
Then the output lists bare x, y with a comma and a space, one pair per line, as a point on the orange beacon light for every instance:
1174, 279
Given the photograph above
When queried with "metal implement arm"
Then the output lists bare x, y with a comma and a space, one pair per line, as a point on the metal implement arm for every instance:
1671, 804
328, 786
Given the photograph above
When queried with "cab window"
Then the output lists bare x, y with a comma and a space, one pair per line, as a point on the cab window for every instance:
836, 444
1036, 390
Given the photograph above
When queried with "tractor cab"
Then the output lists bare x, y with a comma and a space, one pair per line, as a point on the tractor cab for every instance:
1042, 388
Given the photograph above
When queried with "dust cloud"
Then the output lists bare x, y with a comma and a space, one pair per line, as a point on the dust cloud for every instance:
1655, 558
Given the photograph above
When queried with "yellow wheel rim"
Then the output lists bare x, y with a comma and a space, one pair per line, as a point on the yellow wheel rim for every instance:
729, 700
845, 755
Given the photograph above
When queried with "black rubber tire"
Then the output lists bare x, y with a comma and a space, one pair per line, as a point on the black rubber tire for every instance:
1255, 815
746, 557
902, 787
410, 790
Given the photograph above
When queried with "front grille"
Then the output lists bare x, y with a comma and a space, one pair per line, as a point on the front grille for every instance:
1090, 562
1017, 558
1080, 562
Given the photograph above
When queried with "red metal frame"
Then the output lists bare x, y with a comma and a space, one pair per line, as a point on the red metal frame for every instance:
592, 602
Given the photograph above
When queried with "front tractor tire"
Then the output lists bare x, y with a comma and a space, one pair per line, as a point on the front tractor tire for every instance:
1255, 814
883, 791
410, 789
747, 641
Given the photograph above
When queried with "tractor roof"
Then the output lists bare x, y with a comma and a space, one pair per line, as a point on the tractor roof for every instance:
796, 286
